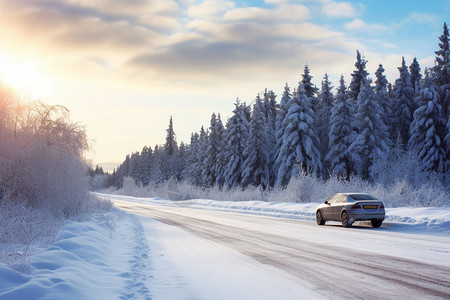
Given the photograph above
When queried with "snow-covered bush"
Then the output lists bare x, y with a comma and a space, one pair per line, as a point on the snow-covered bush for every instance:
42, 171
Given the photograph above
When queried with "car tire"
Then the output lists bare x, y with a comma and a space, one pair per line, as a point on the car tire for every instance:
376, 223
345, 219
319, 218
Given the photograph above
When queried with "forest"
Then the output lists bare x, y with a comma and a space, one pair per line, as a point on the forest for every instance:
370, 129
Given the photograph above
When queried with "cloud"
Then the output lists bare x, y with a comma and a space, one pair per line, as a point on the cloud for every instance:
210, 9
360, 25
282, 13
339, 9
421, 18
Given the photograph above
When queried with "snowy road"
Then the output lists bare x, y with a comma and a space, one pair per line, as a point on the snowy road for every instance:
329, 261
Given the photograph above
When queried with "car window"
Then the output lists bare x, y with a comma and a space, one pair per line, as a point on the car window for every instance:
358, 197
332, 199
342, 198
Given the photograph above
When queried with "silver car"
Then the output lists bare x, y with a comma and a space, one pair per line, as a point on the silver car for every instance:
350, 207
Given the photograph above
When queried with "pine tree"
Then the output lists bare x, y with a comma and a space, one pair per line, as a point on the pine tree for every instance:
270, 112
358, 77
416, 76
442, 70
382, 97
372, 141
171, 142
425, 139
236, 136
442, 80
256, 170
340, 132
322, 120
310, 89
404, 105
299, 146
221, 161
214, 145
285, 100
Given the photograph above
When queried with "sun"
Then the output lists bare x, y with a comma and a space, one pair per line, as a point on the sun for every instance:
25, 77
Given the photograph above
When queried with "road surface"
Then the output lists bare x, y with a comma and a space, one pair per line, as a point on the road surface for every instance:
339, 263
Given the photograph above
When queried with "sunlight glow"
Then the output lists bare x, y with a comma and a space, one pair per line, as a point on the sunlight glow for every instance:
25, 78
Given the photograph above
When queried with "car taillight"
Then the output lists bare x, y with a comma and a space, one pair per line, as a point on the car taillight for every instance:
382, 206
356, 206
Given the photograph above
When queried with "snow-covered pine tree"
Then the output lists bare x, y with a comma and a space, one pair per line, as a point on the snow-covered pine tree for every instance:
322, 120
193, 172
310, 89
298, 149
183, 154
340, 132
171, 143
270, 112
211, 154
221, 160
416, 76
382, 97
284, 102
157, 175
358, 77
442, 80
145, 165
425, 139
372, 141
256, 170
236, 136
169, 161
404, 105
442, 70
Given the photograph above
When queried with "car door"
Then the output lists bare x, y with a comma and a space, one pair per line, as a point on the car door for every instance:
336, 208
327, 211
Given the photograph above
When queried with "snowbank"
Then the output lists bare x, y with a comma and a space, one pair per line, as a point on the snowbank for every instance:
88, 260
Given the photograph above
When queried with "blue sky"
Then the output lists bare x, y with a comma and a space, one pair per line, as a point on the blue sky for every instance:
124, 67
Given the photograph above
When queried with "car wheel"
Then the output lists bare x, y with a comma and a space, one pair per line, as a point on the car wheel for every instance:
345, 219
319, 218
376, 223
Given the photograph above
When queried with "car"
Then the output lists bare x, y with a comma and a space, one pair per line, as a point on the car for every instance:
350, 207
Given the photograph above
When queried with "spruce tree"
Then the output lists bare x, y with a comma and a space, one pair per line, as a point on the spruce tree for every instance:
425, 139
322, 120
310, 89
358, 77
416, 76
284, 102
213, 148
382, 97
340, 132
298, 149
256, 170
171, 143
404, 105
372, 141
442, 70
236, 137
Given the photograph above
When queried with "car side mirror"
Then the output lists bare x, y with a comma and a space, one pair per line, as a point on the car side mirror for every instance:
326, 202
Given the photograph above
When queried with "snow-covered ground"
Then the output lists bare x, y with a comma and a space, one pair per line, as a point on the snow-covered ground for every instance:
121, 255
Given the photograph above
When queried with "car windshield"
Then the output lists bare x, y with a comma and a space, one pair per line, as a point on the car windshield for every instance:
358, 197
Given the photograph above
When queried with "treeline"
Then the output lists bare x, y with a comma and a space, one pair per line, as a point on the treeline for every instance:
355, 132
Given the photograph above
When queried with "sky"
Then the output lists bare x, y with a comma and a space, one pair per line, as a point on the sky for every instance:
124, 67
